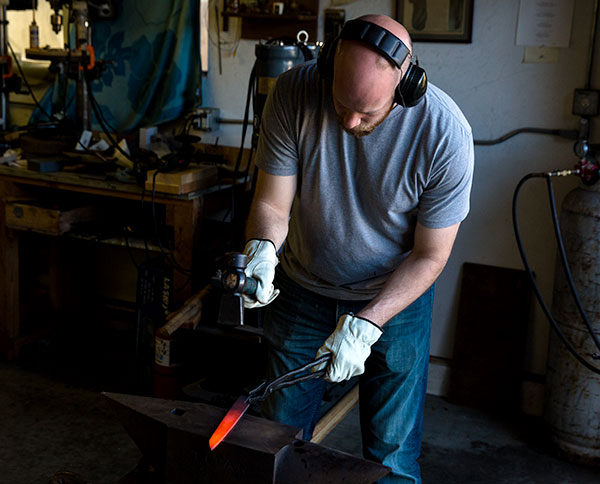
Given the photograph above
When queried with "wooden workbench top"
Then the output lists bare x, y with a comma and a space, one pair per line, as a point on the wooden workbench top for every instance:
93, 183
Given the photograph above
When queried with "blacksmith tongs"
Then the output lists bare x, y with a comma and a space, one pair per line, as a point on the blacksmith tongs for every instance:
262, 391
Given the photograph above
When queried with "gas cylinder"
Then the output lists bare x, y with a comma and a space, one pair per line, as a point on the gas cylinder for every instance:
572, 391
274, 57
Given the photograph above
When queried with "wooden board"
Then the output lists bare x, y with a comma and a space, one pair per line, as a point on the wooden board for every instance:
490, 341
184, 181
53, 219
335, 415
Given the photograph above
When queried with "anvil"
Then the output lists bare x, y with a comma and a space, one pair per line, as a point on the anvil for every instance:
173, 436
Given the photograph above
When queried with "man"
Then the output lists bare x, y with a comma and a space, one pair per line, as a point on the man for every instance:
364, 197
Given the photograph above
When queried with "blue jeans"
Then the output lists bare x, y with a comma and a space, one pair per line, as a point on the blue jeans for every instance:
392, 389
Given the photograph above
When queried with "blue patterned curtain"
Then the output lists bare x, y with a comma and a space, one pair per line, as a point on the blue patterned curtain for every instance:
154, 70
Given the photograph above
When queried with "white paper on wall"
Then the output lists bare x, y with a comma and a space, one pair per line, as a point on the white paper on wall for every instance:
545, 23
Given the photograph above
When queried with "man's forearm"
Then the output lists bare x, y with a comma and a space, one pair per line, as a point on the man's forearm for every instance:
266, 223
414, 275
270, 210
406, 284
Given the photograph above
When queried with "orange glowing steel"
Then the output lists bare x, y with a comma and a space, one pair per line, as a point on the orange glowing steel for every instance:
231, 418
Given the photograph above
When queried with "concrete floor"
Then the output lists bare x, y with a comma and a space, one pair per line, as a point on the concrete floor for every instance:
464, 445
53, 418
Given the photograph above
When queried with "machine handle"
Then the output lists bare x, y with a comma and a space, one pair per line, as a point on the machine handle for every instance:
250, 286
92, 57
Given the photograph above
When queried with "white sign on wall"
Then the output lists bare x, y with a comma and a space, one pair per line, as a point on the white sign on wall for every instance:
545, 23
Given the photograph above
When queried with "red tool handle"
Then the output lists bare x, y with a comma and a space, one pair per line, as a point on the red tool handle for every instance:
92, 53
8, 62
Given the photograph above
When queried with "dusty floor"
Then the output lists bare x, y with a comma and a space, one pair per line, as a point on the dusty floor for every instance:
53, 418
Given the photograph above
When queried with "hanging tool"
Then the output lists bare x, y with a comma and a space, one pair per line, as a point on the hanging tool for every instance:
261, 392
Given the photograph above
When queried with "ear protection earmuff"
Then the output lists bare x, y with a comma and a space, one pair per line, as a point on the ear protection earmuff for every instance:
413, 85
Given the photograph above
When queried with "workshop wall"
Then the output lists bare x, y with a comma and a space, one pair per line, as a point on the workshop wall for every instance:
498, 92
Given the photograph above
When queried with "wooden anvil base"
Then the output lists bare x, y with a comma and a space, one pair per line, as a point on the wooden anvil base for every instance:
173, 436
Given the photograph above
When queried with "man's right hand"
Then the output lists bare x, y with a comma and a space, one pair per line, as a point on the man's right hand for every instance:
262, 259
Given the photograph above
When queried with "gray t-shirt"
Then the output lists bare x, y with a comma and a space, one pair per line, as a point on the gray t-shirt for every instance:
358, 199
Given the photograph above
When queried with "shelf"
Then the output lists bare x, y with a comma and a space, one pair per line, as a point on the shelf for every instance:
256, 25
131, 242
305, 17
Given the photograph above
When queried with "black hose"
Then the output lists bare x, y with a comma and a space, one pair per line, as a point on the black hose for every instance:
536, 289
592, 46
247, 170
29, 88
250, 95
100, 118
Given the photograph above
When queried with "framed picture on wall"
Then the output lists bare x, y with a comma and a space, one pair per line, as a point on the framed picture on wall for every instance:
436, 20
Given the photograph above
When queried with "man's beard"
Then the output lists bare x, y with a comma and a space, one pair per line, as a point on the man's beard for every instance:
363, 129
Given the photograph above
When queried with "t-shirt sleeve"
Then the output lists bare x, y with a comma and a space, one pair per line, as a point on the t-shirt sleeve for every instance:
445, 200
277, 150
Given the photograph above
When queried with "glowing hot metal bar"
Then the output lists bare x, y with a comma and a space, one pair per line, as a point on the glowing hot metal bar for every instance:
231, 418
314, 369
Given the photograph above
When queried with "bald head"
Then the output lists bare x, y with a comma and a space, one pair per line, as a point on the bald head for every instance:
365, 81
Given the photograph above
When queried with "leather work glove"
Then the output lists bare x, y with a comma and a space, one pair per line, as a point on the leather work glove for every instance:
349, 345
262, 259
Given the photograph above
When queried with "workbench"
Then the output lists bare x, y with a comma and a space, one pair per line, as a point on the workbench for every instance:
183, 213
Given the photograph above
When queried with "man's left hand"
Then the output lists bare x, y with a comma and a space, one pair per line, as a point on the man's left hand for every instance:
350, 346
